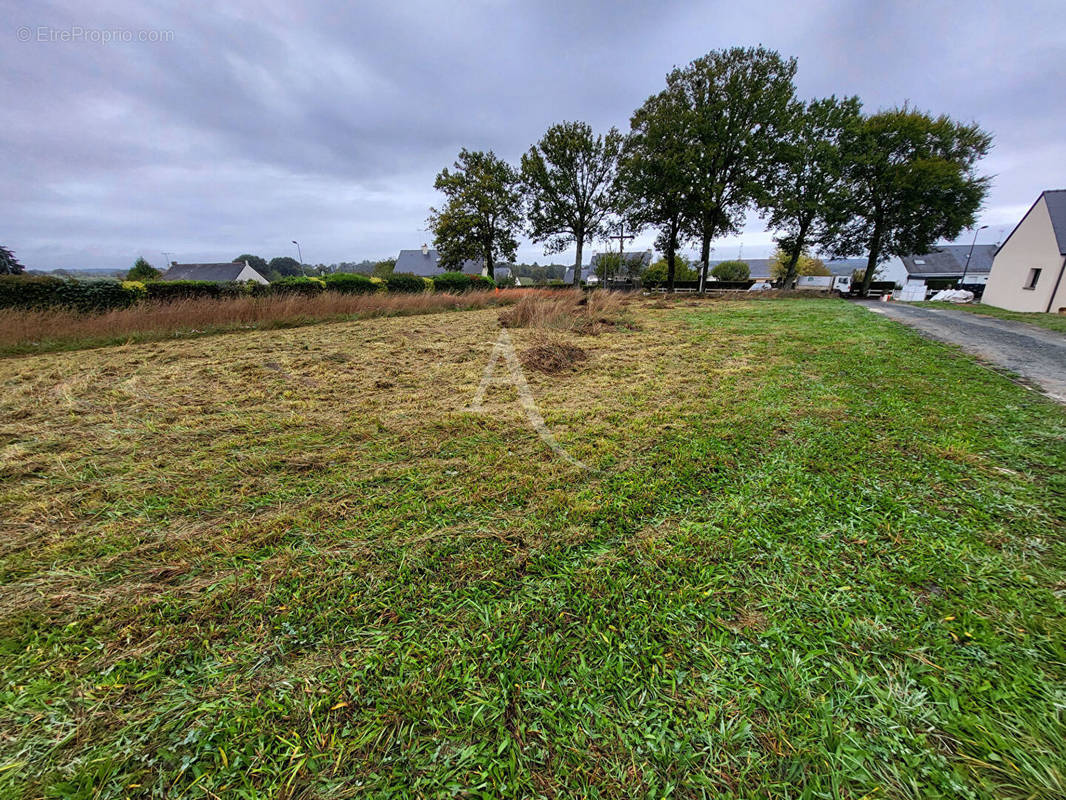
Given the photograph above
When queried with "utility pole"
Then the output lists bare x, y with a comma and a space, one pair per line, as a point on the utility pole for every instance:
966, 266
301, 255
166, 259
621, 236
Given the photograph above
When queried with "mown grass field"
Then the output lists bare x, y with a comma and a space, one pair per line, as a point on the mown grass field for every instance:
818, 556
1053, 322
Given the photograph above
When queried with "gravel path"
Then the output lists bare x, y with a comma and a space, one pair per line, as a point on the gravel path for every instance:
1036, 354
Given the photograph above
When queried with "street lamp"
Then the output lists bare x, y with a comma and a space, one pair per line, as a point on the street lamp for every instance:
966, 266
301, 255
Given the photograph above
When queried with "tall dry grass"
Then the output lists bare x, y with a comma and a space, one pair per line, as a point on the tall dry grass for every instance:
573, 311
42, 331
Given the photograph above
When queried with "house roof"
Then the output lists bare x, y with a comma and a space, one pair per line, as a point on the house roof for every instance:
568, 276
1056, 208
218, 273
949, 260
757, 267
844, 266
426, 265
1055, 199
640, 258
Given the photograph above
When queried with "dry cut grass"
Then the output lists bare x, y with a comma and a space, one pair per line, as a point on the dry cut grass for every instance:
42, 331
573, 311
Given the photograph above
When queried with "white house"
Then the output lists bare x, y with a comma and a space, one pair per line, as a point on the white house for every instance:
943, 262
1027, 273
216, 273
425, 262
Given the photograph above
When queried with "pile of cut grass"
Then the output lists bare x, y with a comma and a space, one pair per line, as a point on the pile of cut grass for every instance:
818, 556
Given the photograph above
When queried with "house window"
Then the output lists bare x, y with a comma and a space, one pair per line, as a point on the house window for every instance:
1034, 276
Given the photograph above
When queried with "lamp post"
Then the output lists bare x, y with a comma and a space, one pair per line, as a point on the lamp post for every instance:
301, 255
966, 266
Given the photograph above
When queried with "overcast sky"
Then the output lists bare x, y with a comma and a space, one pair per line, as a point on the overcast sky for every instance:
237, 127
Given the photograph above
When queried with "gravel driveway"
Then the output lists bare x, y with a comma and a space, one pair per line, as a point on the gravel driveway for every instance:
1036, 354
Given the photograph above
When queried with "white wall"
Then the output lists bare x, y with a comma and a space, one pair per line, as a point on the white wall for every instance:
1032, 245
249, 274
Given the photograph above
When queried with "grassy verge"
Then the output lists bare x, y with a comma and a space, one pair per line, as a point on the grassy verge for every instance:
819, 556
25, 332
1052, 322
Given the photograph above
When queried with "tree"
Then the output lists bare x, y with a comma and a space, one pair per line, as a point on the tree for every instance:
285, 266
911, 181
142, 271
384, 268
784, 269
255, 262
737, 102
9, 265
731, 271
653, 173
806, 195
659, 272
567, 177
482, 215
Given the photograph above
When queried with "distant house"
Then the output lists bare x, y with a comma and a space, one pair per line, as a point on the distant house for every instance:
945, 261
215, 273
1027, 272
425, 262
568, 276
845, 266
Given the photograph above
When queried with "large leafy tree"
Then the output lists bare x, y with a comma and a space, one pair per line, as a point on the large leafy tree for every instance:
482, 215
912, 181
653, 181
806, 194
567, 177
737, 103
9, 265
782, 263
285, 266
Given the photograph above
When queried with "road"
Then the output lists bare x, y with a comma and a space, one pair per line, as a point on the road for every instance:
1036, 354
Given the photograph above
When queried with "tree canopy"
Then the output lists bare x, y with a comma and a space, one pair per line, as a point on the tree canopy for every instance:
806, 195
9, 265
731, 271
911, 181
568, 176
482, 214
781, 262
142, 271
736, 101
285, 266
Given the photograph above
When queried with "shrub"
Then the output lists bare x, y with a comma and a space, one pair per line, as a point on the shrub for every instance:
731, 271
45, 291
308, 287
453, 282
167, 291
429, 284
404, 283
142, 271
347, 283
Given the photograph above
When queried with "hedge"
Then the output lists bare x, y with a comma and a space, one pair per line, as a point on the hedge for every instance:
45, 291
309, 287
350, 283
189, 290
405, 283
461, 282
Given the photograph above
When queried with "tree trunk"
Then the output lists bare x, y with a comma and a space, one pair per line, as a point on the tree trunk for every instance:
577, 262
671, 257
705, 257
871, 262
794, 257
489, 266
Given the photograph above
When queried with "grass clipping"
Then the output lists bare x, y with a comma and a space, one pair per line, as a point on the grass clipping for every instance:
553, 356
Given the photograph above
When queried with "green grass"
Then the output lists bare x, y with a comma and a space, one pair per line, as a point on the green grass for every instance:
820, 557
1053, 322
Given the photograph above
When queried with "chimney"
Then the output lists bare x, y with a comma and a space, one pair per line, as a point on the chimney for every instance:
425, 249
